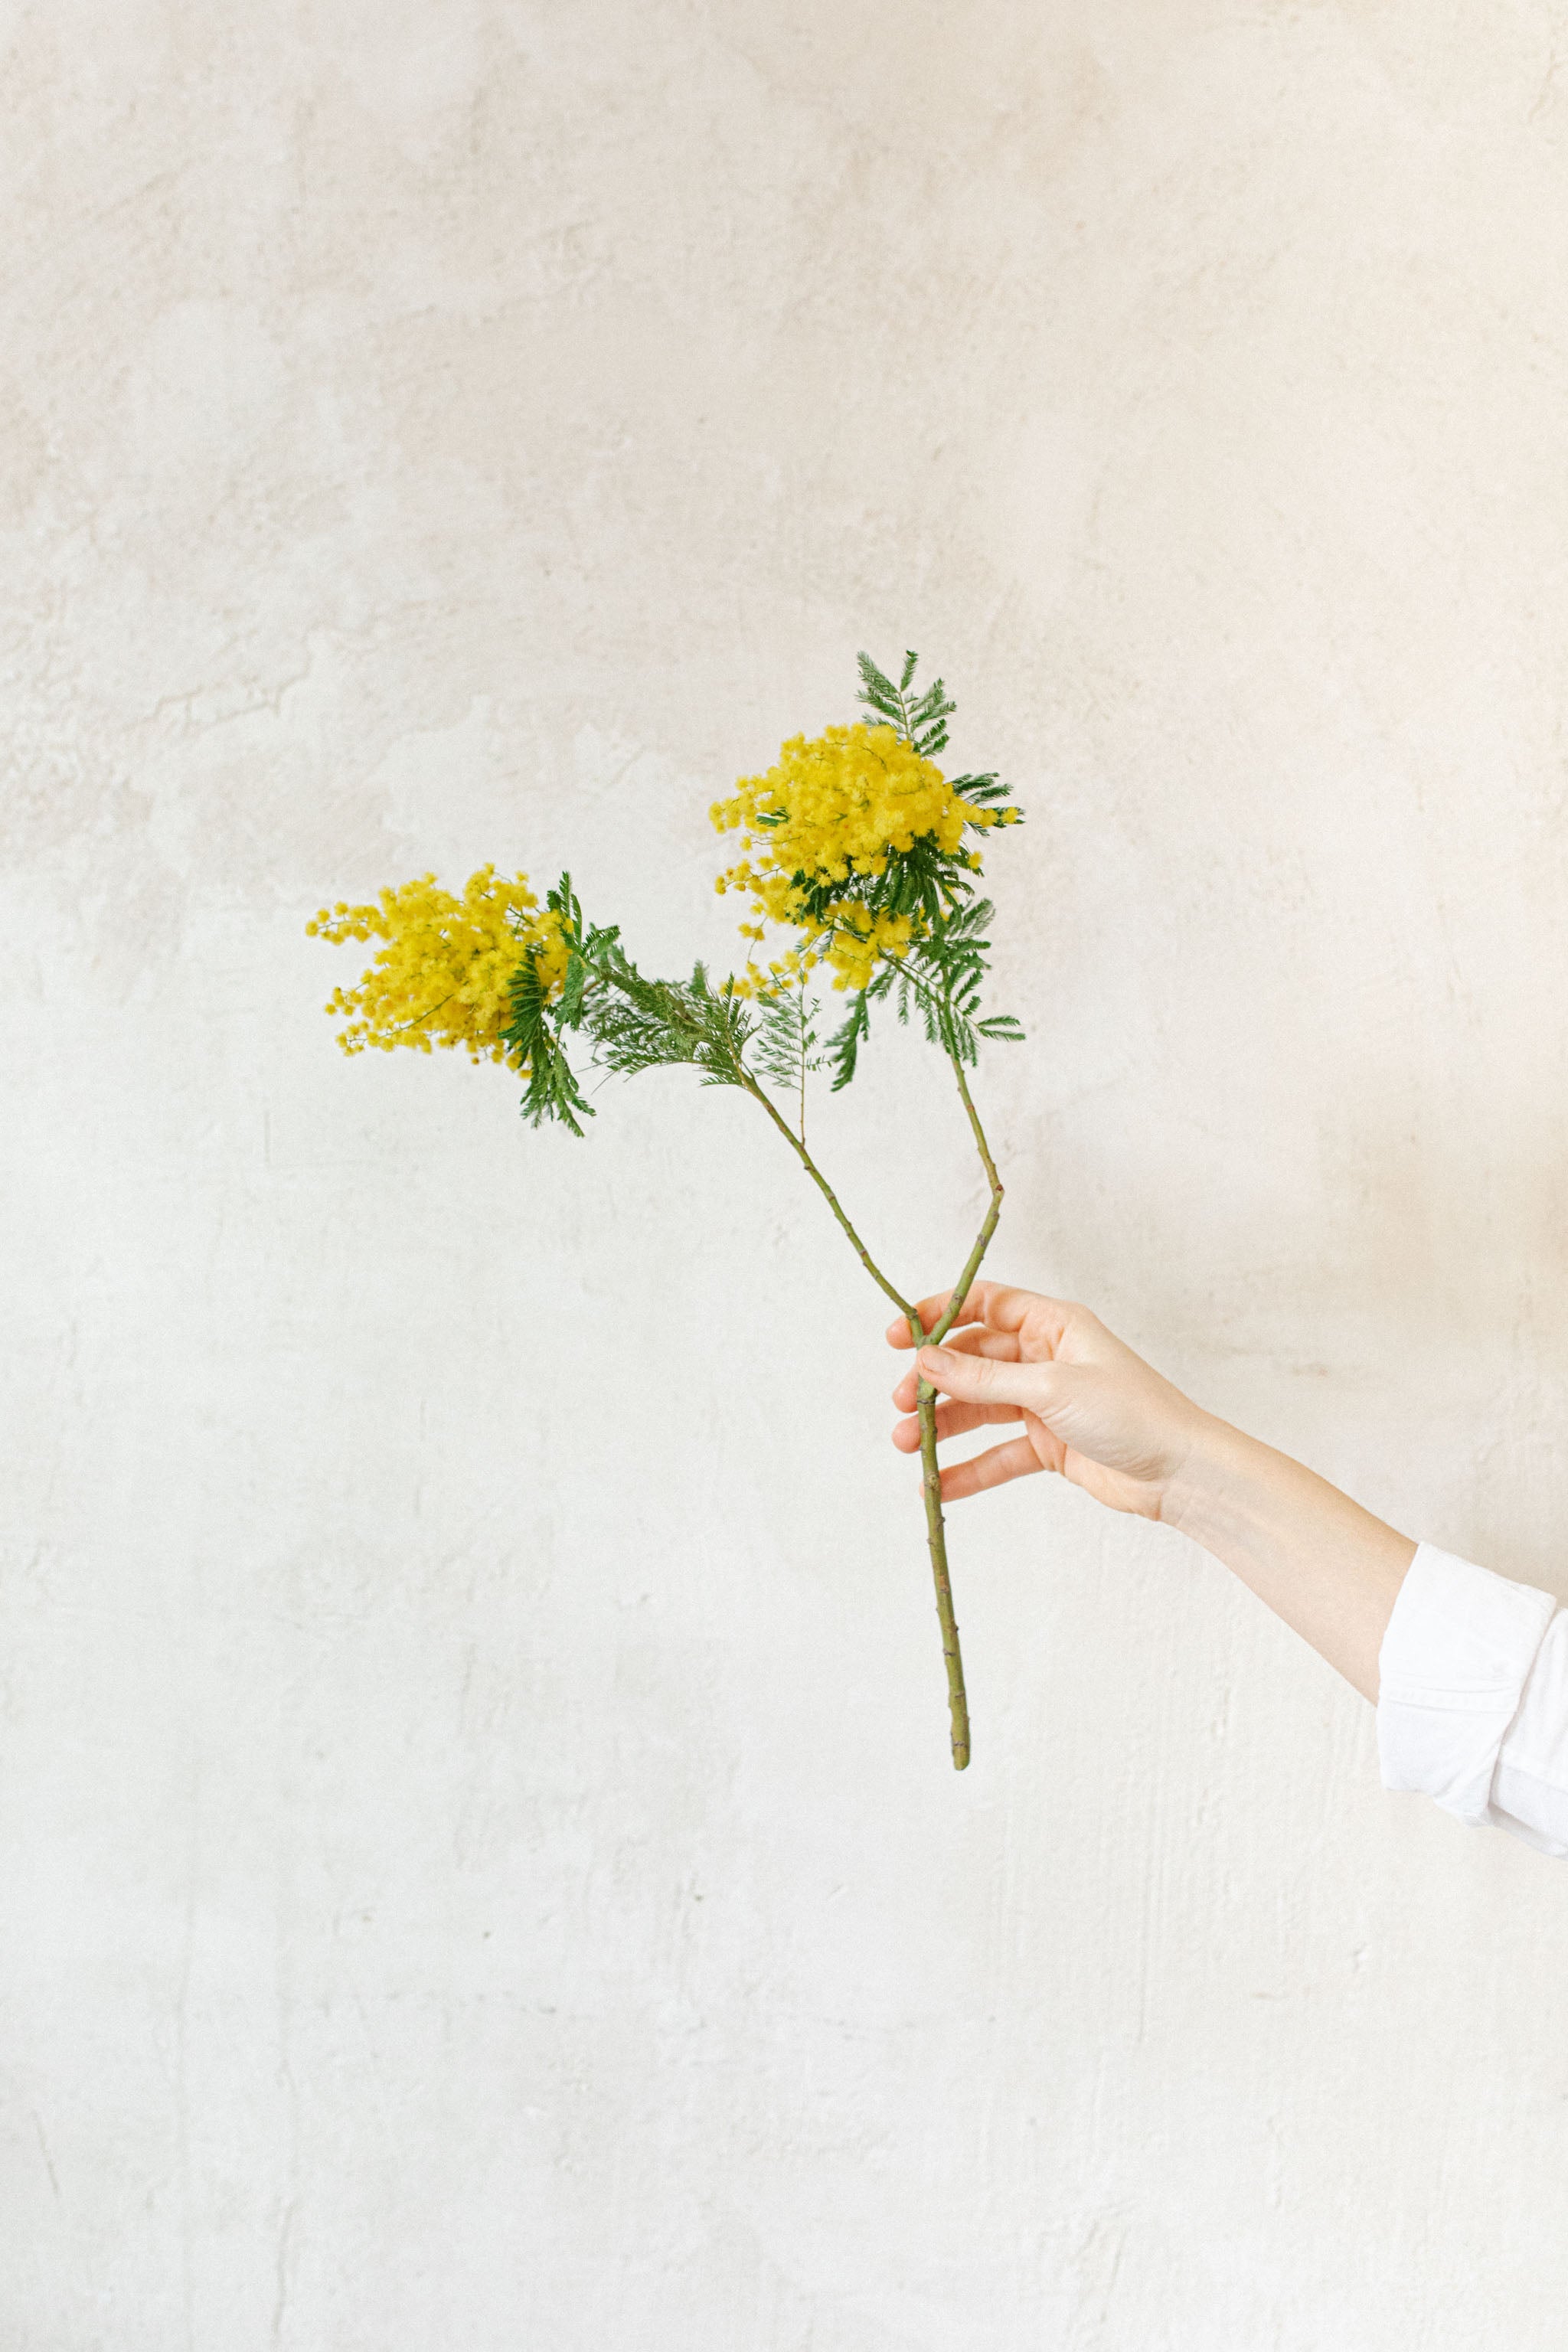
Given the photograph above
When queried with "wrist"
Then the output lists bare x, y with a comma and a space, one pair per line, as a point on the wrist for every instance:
1220, 1465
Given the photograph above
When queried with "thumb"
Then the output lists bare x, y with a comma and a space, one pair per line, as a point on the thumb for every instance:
983, 1380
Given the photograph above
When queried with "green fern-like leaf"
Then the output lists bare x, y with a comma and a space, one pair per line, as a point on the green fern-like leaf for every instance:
921, 722
534, 1034
844, 1046
878, 692
781, 1051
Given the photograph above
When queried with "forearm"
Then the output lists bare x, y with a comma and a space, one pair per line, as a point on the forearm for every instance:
1328, 1567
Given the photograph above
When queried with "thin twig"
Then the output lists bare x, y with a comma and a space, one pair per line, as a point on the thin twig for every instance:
981, 1239
828, 1194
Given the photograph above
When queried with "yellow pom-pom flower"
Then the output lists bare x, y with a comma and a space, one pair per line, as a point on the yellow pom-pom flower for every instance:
833, 813
443, 975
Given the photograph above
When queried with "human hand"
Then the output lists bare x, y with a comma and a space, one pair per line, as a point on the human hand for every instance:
1092, 1409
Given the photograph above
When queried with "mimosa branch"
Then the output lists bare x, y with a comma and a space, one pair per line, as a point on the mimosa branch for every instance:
855, 839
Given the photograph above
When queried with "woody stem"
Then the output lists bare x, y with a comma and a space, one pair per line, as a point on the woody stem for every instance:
936, 1534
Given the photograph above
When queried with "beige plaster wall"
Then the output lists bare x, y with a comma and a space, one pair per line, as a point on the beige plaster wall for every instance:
479, 1861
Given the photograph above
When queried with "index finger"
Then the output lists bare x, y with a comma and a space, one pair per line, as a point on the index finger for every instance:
991, 1303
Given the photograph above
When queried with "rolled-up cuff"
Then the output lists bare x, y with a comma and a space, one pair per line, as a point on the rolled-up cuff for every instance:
1458, 1648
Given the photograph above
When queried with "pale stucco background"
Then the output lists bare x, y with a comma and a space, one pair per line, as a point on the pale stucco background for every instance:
479, 1861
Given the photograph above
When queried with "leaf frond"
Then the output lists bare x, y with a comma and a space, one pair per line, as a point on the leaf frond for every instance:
781, 1050
844, 1046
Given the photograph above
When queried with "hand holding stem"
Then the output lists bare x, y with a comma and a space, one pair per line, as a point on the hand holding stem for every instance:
1097, 1414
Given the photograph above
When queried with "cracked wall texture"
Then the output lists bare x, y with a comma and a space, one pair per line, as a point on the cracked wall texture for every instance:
481, 1863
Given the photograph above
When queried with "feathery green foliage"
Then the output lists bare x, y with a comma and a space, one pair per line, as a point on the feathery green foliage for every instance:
632, 1023
533, 1035
783, 1053
921, 722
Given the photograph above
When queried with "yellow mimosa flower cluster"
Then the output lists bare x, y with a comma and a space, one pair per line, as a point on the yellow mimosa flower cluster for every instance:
444, 976
834, 810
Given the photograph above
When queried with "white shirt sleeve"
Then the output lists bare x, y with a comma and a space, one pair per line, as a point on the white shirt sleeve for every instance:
1473, 1698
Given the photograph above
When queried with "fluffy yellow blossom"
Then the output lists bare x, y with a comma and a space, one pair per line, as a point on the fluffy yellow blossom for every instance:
834, 812
444, 976
859, 942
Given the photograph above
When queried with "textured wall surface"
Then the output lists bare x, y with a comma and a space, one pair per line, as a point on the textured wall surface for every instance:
479, 1863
